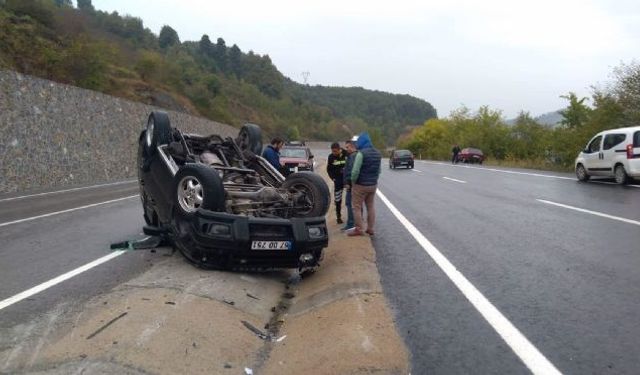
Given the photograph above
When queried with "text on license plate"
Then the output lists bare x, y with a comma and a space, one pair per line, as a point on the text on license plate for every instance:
270, 245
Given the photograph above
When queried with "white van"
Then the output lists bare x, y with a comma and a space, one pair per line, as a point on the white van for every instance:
611, 153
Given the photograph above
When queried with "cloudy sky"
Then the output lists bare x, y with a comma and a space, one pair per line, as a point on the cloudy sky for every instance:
511, 55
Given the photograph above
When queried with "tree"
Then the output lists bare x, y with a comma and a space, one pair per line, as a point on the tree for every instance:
205, 46
577, 113
221, 54
86, 6
168, 37
235, 61
627, 91
63, 3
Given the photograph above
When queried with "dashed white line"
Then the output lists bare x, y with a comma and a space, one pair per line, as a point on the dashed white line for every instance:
66, 190
65, 211
48, 284
529, 354
596, 213
416, 170
454, 180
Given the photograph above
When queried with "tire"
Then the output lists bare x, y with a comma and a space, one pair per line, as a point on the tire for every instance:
620, 175
250, 138
581, 173
158, 131
316, 193
197, 186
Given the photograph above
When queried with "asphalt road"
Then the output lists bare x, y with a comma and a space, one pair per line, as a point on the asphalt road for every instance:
568, 280
77, 228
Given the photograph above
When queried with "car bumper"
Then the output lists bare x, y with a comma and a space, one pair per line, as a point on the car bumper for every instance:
221, 238
634, 168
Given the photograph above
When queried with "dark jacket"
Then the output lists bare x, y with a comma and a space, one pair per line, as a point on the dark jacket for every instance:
335, 165
348, 166
272, 155
366, 166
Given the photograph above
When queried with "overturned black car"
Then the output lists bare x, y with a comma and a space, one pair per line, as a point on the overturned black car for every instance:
225, 207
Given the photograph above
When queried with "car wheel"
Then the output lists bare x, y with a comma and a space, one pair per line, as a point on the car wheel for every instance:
620, 175
581, 173
197, 186
311, 194
158, 131
250, 138
390, 166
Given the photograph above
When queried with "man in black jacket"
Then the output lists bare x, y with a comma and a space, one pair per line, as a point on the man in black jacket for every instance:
335, 169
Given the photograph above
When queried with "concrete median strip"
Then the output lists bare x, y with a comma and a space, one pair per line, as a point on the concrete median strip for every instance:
175, 318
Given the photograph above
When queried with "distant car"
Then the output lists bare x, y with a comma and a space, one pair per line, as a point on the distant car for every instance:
611, 153
224, 206
471, 155
401, 158
295, 157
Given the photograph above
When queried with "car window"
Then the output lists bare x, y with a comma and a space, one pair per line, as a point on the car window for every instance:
403, 153
594, 146
293, 153
636, 139
611, 140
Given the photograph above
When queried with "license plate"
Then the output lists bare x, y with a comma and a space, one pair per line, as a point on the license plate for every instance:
295, 170
270, 245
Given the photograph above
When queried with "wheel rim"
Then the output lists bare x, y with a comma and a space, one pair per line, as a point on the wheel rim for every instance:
581, 172
243, 140
620, 175
149, 135
306, 201
190, 196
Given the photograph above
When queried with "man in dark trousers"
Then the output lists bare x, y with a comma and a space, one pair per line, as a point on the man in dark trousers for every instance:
364, 179
335, 169
455, 151
350, 147
272, 152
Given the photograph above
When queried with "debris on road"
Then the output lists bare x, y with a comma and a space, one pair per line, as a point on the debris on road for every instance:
252, 296
106, 325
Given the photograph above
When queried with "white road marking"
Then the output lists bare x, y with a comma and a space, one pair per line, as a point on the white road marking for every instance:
453, 179
612, 183
46, 285
66, 190
65, 211
501, 170
416, 170
529, 354
629, 221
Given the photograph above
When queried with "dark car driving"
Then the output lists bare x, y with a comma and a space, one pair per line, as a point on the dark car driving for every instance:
223, 206
471, 155
401, 158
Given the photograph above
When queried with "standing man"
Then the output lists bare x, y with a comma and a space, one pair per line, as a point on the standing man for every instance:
350, 147
335, 169
272, 152
364, 177
455, 151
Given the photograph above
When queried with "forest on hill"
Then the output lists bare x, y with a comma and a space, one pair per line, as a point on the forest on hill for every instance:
116, 54
527, 142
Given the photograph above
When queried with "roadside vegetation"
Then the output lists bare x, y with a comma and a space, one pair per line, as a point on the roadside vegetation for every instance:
117, 55
527, 143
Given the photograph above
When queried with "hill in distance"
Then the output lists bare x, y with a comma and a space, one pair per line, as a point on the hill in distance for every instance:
117, 55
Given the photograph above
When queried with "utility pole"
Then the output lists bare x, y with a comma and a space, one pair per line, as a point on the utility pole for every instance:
305, 76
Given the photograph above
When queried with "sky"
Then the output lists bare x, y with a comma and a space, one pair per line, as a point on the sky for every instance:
510, 55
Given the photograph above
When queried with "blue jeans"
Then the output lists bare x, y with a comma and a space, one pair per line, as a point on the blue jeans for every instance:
347, 203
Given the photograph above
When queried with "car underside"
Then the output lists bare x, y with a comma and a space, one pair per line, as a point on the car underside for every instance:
224, 206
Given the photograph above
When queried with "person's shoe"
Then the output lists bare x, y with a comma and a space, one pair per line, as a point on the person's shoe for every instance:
369, 232
339, 221
354, 232
346, 227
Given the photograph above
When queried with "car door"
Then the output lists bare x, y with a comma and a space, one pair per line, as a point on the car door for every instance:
613, 149
592, 156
